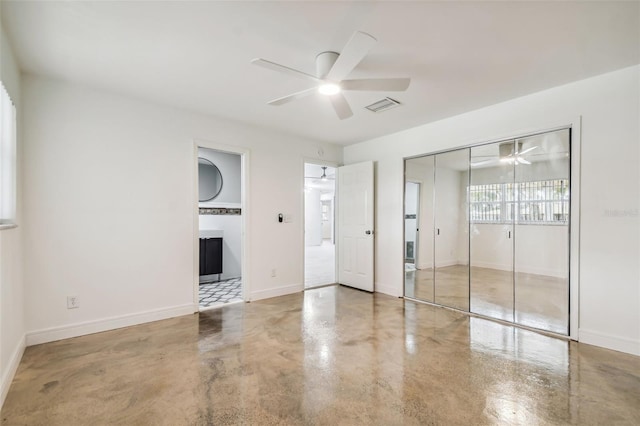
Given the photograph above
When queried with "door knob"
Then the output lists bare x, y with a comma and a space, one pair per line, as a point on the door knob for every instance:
368, 232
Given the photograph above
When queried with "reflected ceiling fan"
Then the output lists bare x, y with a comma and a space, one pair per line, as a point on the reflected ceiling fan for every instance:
509, 153
323, 177
331, 70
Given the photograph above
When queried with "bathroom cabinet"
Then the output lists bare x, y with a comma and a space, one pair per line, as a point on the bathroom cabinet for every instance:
210, 256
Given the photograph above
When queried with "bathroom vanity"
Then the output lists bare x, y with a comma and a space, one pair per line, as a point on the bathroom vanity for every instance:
210, 252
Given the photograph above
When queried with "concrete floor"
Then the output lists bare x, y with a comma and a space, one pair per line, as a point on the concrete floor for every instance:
331, 355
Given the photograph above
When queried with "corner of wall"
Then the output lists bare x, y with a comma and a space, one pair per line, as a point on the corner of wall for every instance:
11, 369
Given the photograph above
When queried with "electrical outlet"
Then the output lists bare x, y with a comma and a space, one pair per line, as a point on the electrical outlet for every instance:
73, 302
273, 273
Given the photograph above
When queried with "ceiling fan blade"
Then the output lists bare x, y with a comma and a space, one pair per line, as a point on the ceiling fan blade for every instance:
377, 84
522, 160
293, 96
527, 150
281, 68
341, 106
353, 52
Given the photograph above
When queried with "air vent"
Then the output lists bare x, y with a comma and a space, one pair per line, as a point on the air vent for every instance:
383, 105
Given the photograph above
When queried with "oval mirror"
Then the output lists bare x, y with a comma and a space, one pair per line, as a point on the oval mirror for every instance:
209, 180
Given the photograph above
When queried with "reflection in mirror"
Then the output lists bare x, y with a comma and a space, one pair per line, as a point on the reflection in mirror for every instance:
451, 229
491, 205
418, 244
542, 221
209, 180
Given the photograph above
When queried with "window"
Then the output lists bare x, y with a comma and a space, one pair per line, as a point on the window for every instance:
538, 202
7, 159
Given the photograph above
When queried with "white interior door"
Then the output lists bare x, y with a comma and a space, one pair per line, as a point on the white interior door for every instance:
355, 225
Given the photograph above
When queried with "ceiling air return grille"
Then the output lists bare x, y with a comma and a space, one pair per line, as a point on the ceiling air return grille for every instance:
383, 105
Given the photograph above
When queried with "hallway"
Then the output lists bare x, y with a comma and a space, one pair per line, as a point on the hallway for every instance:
319, 264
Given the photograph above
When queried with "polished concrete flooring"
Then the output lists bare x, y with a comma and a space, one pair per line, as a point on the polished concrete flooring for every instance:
537, 301
328, 356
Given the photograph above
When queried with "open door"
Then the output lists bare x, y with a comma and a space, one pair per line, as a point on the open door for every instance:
355, 225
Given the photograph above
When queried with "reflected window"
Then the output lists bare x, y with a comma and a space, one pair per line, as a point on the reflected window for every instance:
535, 202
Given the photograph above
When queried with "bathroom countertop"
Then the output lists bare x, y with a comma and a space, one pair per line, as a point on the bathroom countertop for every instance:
211, 233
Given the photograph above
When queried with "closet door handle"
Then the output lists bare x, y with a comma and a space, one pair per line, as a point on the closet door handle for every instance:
509, 234
438, 231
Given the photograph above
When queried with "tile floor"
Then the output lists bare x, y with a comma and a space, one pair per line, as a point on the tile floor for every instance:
327, 356
221, 292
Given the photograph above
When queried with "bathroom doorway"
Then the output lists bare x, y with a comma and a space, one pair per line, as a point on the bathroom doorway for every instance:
319, 225
220, 227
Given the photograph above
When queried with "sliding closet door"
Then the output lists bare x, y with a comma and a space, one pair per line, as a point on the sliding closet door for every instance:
418, 244
542, 232
491, 202
451, 229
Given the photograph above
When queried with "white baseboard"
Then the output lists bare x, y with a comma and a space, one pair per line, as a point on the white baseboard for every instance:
617, 343
275, 292
394, 291
90, 327
12, 367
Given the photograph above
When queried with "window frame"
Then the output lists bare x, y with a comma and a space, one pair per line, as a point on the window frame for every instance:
8, 160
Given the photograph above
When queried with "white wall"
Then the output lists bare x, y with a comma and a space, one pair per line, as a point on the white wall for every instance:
609, 303
313, 217
108, 222
12, 326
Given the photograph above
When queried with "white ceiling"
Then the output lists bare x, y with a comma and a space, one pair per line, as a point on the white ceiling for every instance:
312, 174
196, 55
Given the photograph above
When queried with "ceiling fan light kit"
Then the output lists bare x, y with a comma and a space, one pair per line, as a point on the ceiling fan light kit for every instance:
331, 70
508, 153
329, 89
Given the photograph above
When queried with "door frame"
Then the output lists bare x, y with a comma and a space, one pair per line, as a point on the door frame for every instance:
574, 125
245, 161
335, 165
404, 206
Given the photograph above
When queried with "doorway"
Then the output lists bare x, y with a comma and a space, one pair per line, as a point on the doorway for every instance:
220, 228
319, 225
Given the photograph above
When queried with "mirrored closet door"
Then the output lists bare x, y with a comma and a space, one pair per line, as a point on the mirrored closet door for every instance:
541, 261
419, 226
451, 234
440, 271
487, 230
491, 233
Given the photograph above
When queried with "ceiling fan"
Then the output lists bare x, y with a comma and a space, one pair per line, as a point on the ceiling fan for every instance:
509, 153
331, 70
322, 177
